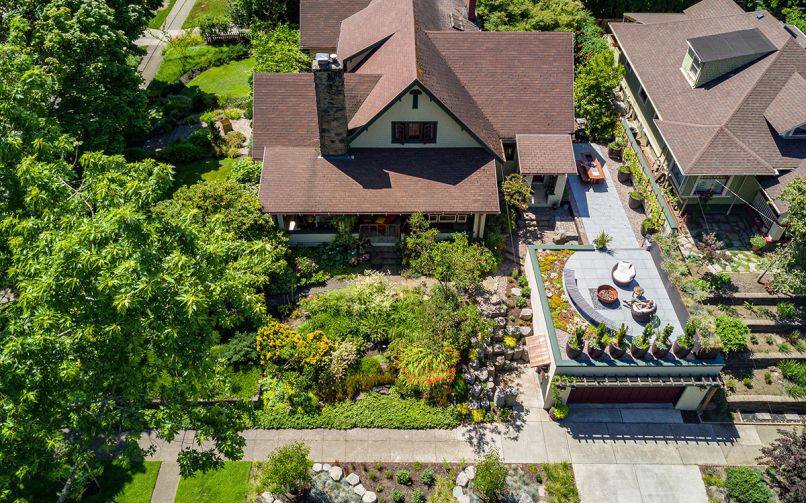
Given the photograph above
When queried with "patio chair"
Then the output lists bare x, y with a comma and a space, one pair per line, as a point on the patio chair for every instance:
623, 273
642, 311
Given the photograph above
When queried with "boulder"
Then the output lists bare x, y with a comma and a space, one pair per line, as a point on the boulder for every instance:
719, 494
564, 237
458, 492
517, 354
317, 467
526, 314
482, 374
516, 292
369, 497
335, 473
513, 330
352, 479
462, 480
541, 492
359, 489
491, 371
501, 321
485, 404
475, 390
267, 498
498, 349
470, 377
489, 385
499, 398
511, 397
525, 498
325, 467
499, 362
470, 471
509, 355
525, 330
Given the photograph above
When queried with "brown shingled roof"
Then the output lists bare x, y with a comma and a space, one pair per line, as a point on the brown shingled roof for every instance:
546, 154
284, 108
718, 128
788, 110
295, 180
319, 21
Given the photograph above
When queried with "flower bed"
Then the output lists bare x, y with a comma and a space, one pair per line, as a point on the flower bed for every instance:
564, 316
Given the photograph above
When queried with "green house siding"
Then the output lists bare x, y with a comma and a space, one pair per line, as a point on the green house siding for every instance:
644, 111
714, 69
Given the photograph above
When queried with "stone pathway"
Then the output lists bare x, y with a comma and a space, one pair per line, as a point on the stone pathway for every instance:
599, 207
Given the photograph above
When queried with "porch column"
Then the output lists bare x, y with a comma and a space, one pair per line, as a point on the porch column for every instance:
476, 225
482, 221
559, 187
280, 221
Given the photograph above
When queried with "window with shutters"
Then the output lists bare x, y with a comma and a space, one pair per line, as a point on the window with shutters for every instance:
414, 132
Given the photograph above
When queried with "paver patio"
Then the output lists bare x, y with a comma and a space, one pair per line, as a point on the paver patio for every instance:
599, 206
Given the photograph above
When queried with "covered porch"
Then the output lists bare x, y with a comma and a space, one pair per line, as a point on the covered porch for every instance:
546, 161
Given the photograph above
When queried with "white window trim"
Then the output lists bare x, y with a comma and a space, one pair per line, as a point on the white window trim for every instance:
721, 194
643, 101
791, 133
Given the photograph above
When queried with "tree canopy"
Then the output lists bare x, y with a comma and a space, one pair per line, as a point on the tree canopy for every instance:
789, 260
531, 15
593, 95
278, 50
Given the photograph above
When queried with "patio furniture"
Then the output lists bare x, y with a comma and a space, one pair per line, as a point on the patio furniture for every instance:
643, 310
581, 304
623, 273
607, 294
590, 169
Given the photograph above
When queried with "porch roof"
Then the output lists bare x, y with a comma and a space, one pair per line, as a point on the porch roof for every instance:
546, 154
297, 180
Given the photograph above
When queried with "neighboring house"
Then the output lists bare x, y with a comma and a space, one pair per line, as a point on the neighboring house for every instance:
416, 110
719, 96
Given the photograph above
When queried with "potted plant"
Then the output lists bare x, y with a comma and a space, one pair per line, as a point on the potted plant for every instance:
618, 344
648, 227
707, 345
757, 242
615, 149
636, 200
640, 344
683, 344
602, 240
573, 348
660, 348
624, 173
596, 343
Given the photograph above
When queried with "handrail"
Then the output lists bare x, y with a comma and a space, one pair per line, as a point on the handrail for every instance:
667, 212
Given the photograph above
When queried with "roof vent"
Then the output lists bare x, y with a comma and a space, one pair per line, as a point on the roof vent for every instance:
760, 15
457, 22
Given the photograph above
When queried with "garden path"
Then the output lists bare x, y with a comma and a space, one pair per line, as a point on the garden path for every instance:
599, 207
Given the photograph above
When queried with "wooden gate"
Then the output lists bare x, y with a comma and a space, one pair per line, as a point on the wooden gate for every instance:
625, 394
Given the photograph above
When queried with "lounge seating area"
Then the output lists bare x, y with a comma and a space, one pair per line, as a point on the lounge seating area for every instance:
623, 273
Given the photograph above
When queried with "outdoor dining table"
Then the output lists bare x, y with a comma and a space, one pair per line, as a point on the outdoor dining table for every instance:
590, 169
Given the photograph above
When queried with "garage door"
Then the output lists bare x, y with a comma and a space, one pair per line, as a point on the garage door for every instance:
625, 394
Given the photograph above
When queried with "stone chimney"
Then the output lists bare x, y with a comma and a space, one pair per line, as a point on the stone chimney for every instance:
471, 10
331, 110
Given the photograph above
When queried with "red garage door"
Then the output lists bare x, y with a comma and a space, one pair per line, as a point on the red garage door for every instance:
625, 394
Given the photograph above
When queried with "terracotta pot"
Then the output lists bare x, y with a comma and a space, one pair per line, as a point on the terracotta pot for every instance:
572, 352
635, 203
637, 352
659, 352
615, 351
624, 177
595, 353
680, 351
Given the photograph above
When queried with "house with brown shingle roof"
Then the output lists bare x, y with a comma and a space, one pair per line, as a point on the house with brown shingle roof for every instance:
718, 97
411, 109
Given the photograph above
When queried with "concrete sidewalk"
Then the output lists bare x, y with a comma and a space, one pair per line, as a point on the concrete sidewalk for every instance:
156, 40
639, 484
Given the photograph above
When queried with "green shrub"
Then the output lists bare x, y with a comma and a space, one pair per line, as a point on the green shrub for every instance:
137, 154
287, 469
403, 477
246, 171
560, 483
241, 349
711, 478
427, 477
417, 496
235, 139
181, 153
560, 411
787, 310
733, 333
201, 138
794, 371
747, 485
398, 497
491, 476
372, 411
442, 493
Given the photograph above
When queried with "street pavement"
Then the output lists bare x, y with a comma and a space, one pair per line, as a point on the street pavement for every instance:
155, 40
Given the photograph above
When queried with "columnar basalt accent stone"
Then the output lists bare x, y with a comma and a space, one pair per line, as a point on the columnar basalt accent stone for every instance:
331, 108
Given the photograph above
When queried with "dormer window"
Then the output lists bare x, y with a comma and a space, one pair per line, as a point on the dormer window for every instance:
798, 132
710, 57
696, 65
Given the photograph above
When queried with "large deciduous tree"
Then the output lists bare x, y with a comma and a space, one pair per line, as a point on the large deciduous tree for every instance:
531, 15
789, 261
278, 50
593, 86
117, 308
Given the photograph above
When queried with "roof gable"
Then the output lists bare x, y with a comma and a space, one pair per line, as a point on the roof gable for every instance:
788, 109
319, 21
708, 9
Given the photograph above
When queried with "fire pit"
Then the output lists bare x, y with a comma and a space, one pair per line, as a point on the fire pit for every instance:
607, 294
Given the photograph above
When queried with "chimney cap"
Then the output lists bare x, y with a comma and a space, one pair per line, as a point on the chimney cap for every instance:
325, 61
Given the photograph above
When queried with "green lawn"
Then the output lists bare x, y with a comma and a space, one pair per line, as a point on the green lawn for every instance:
204, 169
205, 8
119, 485
226, 81
171, 68
161, 15
229, 484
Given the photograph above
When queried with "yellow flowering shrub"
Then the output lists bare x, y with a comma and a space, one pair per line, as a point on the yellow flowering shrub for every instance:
281, 345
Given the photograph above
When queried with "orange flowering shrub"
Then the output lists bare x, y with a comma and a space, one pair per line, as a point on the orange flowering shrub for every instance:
279, 344
424, 368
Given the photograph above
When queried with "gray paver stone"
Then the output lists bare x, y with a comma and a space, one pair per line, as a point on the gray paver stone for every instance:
317, 467
335, 473
359, 489
369, 497
352, 479
462, 480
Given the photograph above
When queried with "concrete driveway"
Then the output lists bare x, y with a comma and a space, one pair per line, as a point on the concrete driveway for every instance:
639, 483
